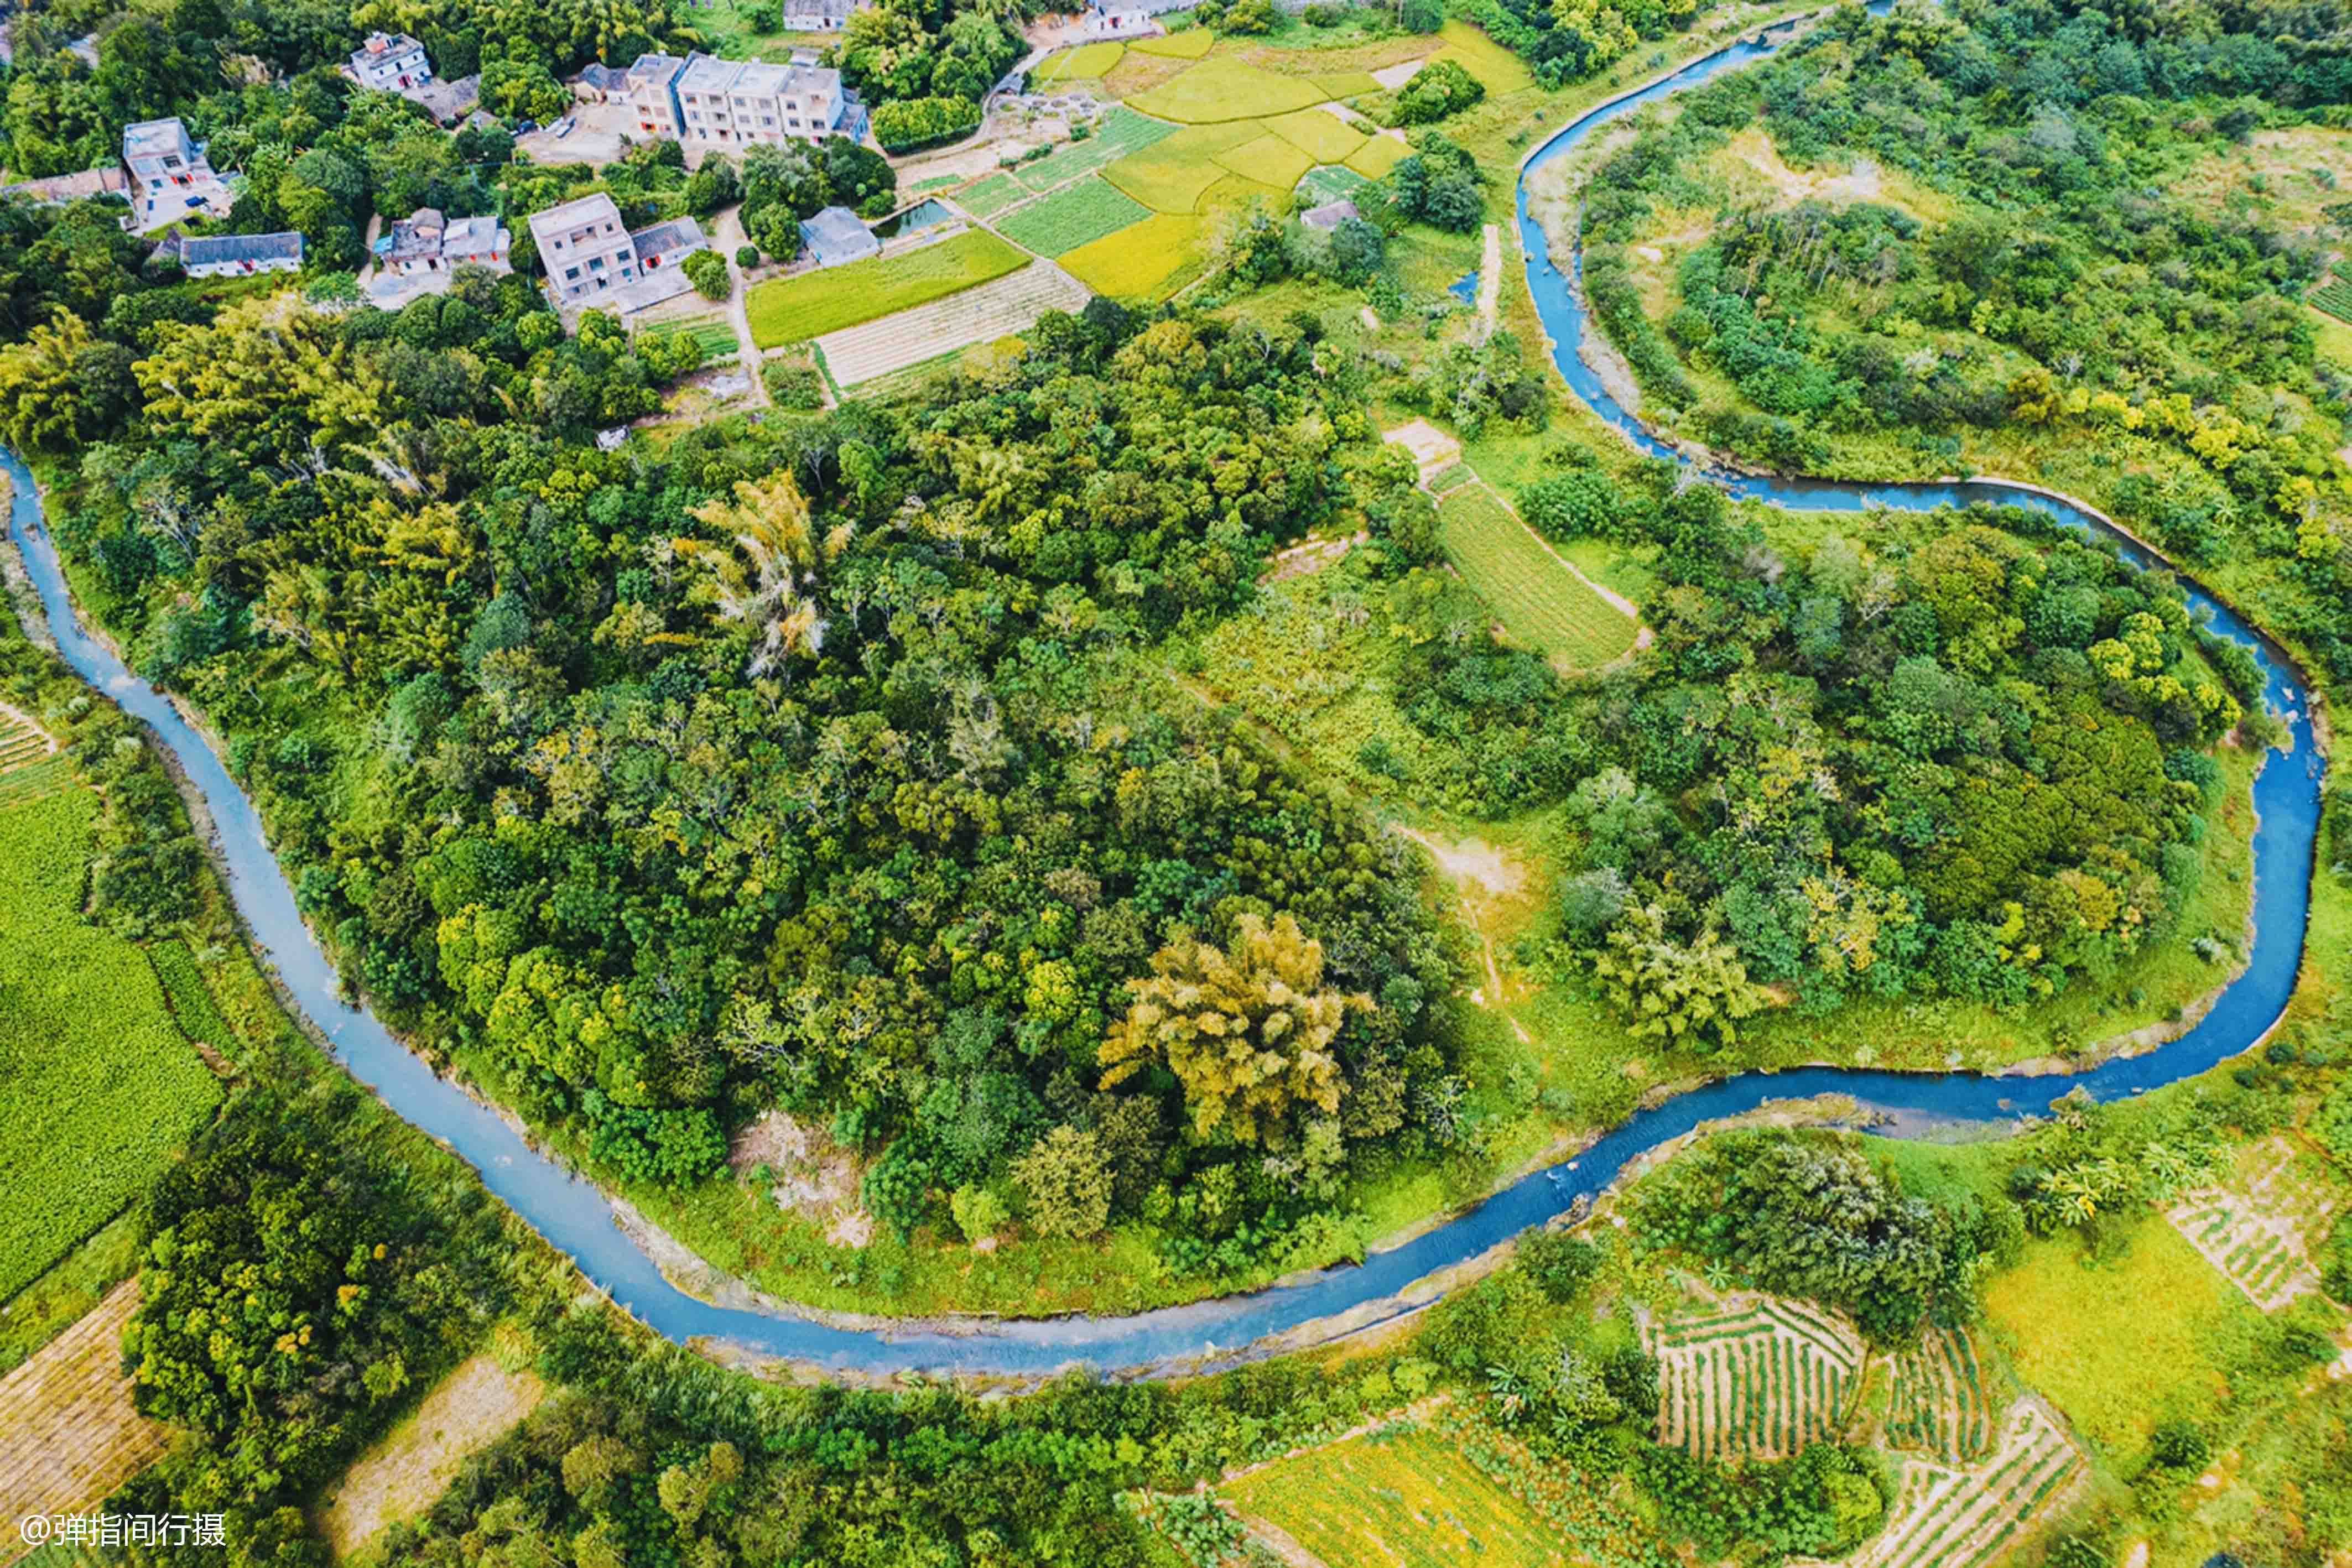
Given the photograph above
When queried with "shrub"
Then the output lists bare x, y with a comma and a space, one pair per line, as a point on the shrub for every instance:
915, 122
746, 256
706, 270
1422, 15
1439, 88
1320, 15
1561, 1265
978, 1211
2179, 1445
793, 386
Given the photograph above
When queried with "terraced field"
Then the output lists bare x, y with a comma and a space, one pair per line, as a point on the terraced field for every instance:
1760, 1381
2258, 1228
67, 1432
1407, 1500
1948, 1516
982, 315
1939, 1400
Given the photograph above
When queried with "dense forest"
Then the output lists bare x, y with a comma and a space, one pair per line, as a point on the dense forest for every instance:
2070, 294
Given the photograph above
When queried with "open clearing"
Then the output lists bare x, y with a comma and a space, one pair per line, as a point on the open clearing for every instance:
794, 309
1948, 1517
68, 1435
401, 1476
102, 1087
1760, 1381
1406, 1497
1939, 1400
1544, 604
982, 315
2258, 1228
2086, 1337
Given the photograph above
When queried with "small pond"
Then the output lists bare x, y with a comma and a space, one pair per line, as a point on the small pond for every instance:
928, 213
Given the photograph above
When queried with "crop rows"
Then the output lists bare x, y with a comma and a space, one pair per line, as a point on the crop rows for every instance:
1939, 1401
1543, 604
2256, 1229
2335, 298
68, 1435
1122, 131
1765, 1381
998, 309
1948, 1517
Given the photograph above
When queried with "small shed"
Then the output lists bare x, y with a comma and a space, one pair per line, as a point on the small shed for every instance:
835, 235
1330, 214
599, 83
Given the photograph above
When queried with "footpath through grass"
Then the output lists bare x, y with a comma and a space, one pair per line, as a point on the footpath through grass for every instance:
794, 309
1542, 604
101, 1087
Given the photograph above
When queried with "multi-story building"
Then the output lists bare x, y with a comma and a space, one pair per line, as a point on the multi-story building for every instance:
702, 101
390, 62
169, 175
585, 249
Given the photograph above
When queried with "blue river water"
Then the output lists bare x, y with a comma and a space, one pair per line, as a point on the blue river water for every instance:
576, 1217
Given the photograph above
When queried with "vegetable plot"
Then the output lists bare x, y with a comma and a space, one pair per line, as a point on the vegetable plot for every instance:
1762, 1381
1939, 1400
1947, 1517
2257, 1229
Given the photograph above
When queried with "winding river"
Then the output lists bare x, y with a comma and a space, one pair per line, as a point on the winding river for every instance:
576, 1217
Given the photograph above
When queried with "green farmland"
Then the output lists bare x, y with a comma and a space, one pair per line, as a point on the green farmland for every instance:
794, 309
1541, 603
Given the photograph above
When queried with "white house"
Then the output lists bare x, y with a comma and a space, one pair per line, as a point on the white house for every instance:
390, 62
169, 178
585, 249
835, 235
426, 241
236, 255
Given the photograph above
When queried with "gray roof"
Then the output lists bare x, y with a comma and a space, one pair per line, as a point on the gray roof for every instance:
835, 234
448, 101
154, 138
475, 236
655, 68
216, 249
670, 239
608, 78
1330, 214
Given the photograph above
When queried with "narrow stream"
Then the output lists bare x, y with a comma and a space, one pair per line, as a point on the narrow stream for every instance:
575, 1217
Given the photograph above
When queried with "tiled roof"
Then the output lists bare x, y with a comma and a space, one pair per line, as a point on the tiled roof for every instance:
668, 238
215, 249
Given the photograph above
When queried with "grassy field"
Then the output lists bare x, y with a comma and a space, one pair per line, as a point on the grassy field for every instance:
1541, 603
1076, 215
1411, 1499
2122, 1344
102, 1087
1087, 61
1221, 89
794, 310
1143, 262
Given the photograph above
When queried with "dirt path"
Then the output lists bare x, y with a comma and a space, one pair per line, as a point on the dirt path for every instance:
400, 1477
68, 1435
727, 234
1490, 276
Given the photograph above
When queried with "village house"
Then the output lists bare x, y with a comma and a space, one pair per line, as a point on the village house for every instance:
819, 15
835, 235
390, 62
169, 178
238, 255
585, 249
599, 83
425, 242
702, 101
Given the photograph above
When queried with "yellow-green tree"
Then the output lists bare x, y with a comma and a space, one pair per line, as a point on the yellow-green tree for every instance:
762, 572
1248, 1034
1692, 992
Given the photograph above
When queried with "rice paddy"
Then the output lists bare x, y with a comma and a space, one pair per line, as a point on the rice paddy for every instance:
1139, 262
1087, 61
1378, 155
1219, 88
1760, 1381
794, 309
1193, 44
1173, 174
1319, 133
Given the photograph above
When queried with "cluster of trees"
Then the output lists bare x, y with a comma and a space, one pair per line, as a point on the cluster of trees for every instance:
1439, 186
1439, 88
2069, 292
1970, 762
907, 123
783, 185
802, 765
1568, 40
914, 51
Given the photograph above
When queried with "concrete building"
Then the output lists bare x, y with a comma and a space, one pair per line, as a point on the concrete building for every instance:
425, 242
236, 255
599, 83
169, 178
390, 62
668, 244
819, 15
586, 252
835, 235
702, 101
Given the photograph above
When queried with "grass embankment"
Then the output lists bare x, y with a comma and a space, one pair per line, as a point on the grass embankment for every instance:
794, 309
